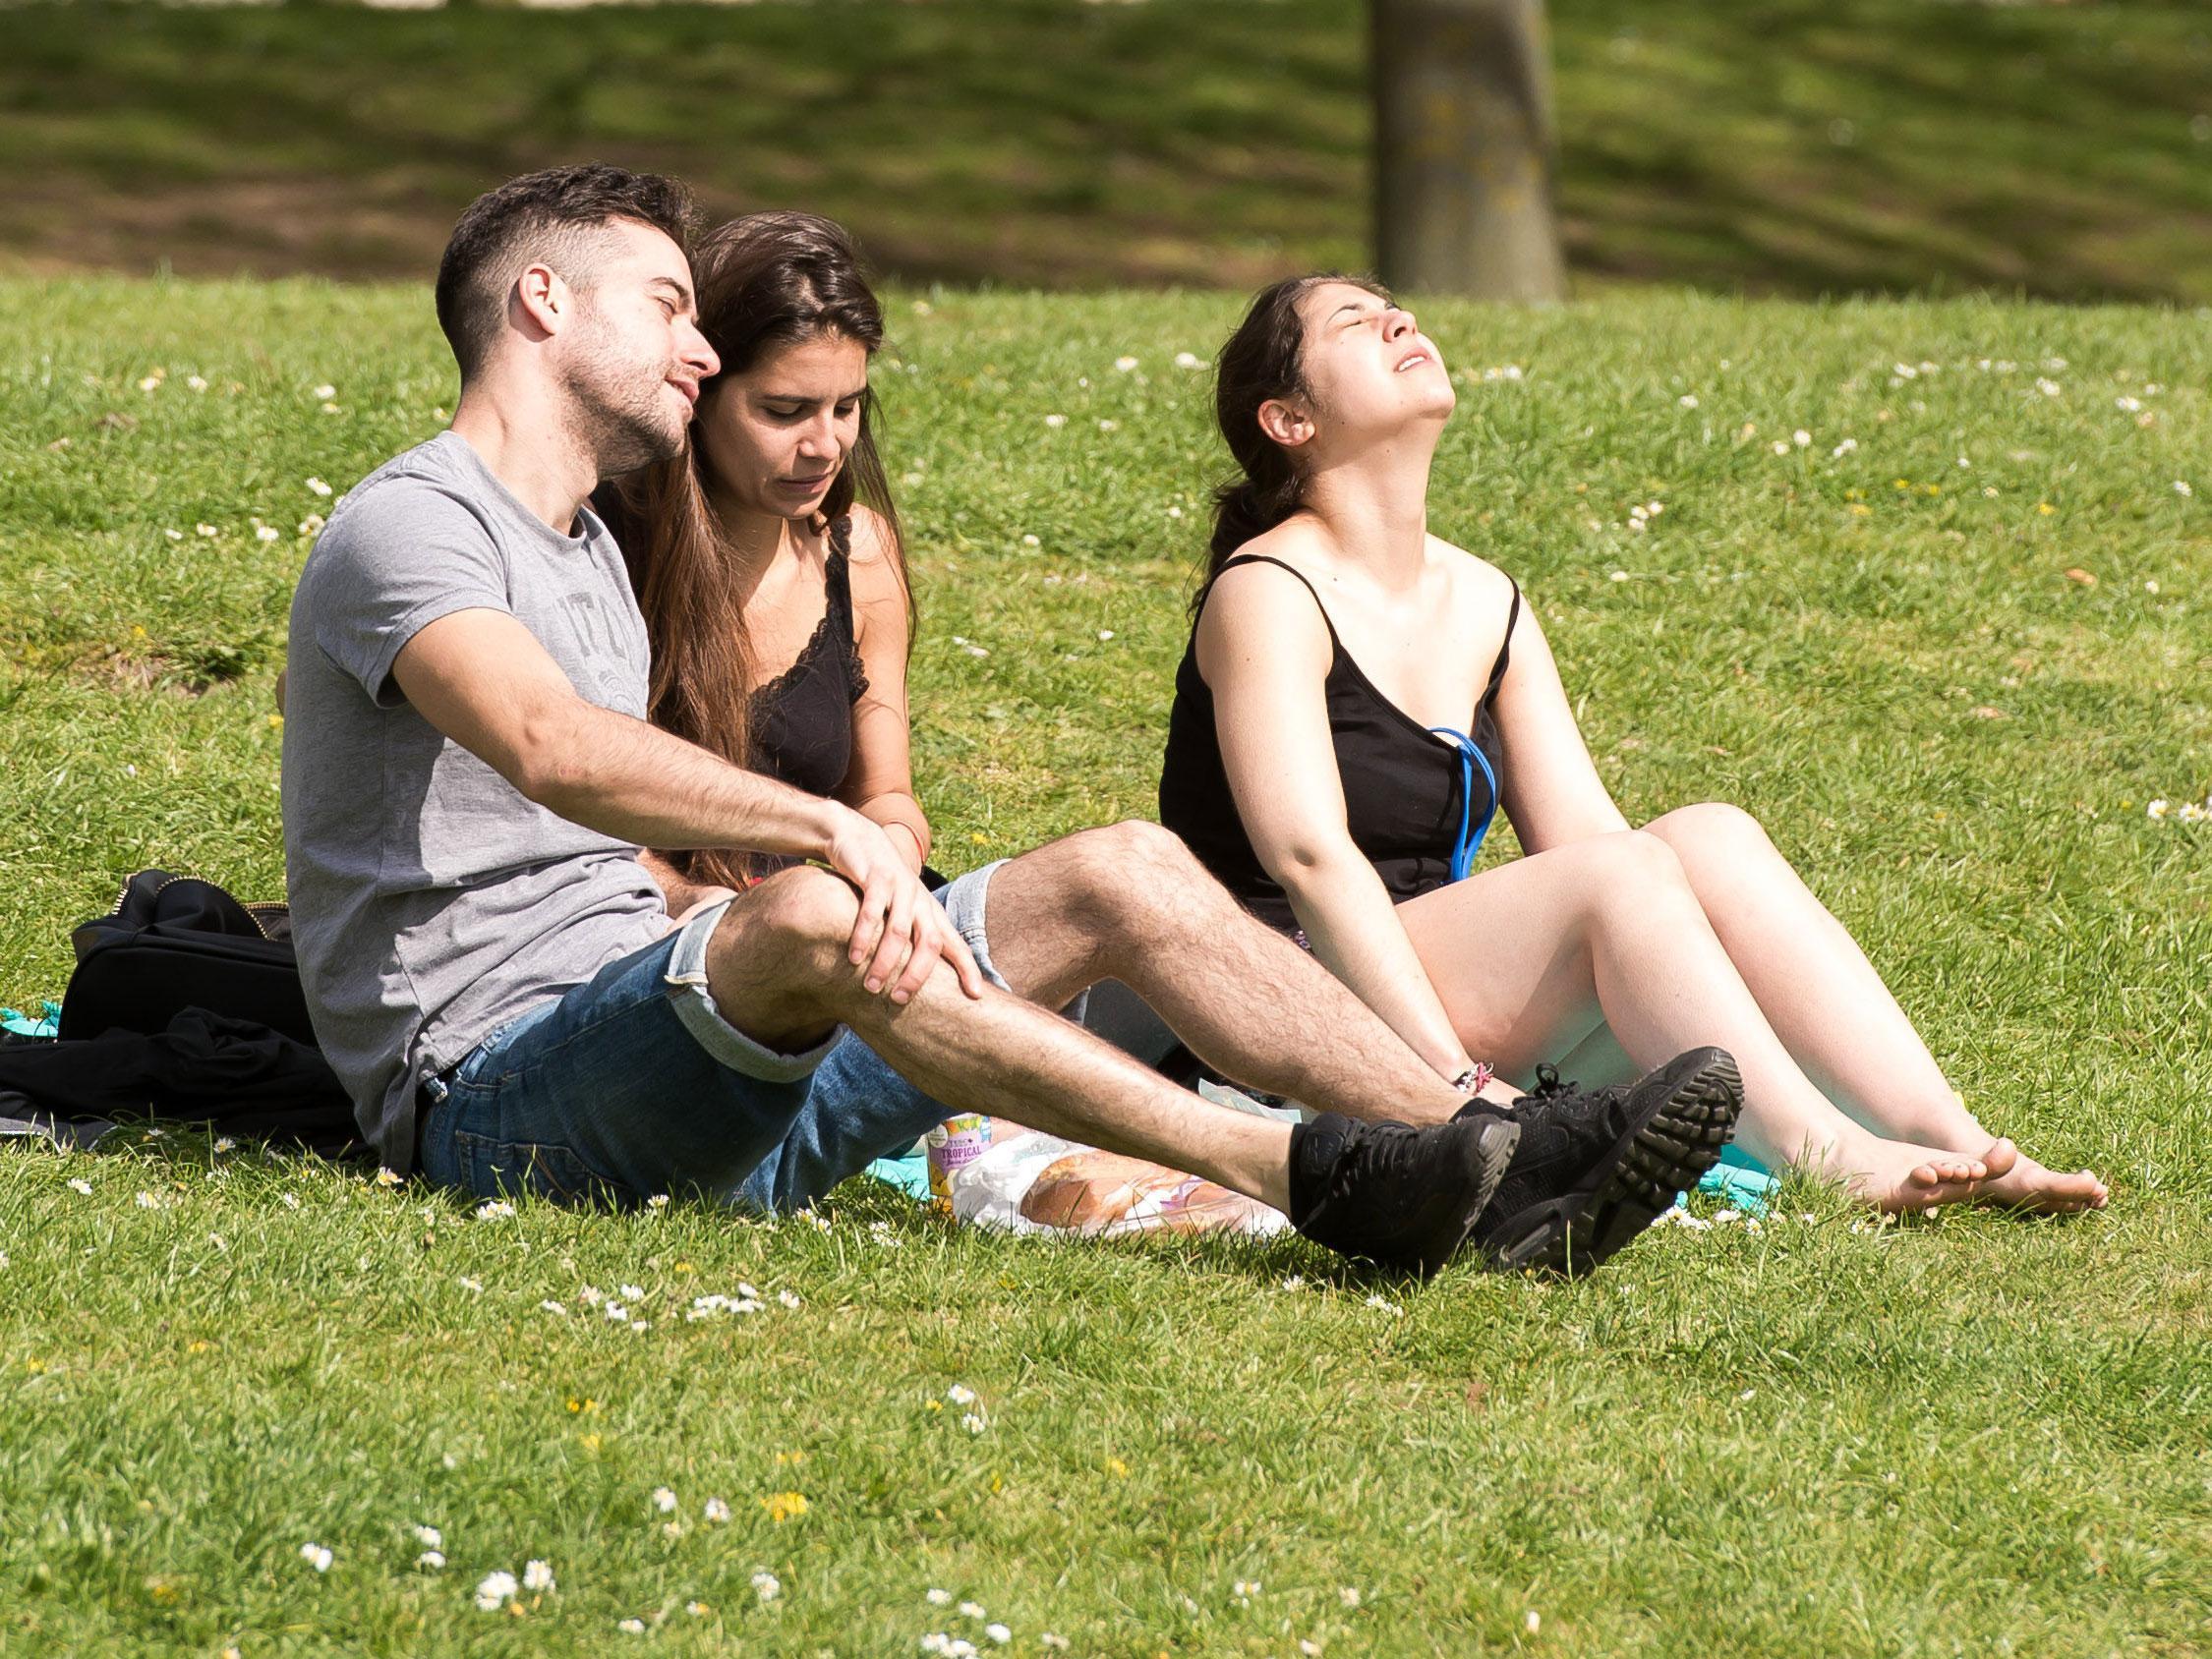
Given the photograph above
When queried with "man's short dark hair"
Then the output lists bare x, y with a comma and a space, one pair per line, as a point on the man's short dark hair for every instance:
538, 216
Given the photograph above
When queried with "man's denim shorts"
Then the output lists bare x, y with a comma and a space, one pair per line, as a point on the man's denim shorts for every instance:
632, 1084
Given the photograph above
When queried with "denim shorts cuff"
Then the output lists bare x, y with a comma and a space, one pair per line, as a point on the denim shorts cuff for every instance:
967, 901
694, 1004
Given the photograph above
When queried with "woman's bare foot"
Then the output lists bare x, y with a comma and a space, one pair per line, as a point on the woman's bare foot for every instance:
2028, 1185
1896, 1175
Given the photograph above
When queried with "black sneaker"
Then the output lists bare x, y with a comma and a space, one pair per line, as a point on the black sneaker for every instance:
1393, 1194
1598, 1166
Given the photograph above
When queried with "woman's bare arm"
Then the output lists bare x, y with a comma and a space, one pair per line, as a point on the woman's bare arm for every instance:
880, 781
1264, 651
1553, 792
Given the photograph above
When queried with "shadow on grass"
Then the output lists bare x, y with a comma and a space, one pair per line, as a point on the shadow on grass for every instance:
1786, 146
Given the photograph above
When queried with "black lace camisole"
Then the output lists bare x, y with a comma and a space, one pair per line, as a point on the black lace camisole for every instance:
802, 719
1410, 797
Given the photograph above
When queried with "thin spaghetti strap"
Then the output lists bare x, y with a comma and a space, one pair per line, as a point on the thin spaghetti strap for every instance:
1506, 650
1268, 558
837, 569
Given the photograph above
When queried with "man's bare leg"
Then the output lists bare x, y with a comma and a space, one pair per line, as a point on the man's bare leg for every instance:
780, 971
1129, 902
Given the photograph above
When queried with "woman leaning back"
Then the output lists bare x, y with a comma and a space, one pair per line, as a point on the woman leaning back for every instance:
1360, 694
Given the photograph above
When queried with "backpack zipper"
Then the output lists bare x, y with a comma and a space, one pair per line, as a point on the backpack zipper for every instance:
252, 911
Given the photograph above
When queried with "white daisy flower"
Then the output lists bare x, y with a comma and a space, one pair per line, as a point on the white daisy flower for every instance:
538, 1575
1124, 363
429, 1538
959, 1394
315, 1556
974, 1422
493, 1209
664, 1500
630, 1627
431, 1560
971, 1610
1188, 360
495, 1589
767, 1585
80, 1186
938, 1599
715, 1510
998, 1634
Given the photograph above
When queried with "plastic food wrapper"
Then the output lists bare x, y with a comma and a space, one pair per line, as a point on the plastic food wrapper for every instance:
1041, 1183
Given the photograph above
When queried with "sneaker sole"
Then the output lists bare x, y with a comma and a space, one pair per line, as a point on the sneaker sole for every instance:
1633, 1185
1493, 1152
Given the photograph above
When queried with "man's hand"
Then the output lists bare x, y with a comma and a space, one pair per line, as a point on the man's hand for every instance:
902, 932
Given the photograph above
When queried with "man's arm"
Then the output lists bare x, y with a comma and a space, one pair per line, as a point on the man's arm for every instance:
483, 679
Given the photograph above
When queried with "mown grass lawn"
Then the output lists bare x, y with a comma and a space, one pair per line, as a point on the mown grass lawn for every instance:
1948, 666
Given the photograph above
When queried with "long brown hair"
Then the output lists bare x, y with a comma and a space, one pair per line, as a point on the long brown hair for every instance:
765, 281
1263, 359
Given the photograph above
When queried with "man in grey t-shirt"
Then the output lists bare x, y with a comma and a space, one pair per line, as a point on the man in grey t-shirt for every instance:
434, 904
469, 774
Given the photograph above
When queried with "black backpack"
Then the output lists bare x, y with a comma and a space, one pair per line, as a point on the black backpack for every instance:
176, 942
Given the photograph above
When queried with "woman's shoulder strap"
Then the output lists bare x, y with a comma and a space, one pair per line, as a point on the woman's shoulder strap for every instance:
1505, 648
1281, 564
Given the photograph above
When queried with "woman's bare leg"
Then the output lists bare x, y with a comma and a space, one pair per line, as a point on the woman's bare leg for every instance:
1532, 957
1826, 1004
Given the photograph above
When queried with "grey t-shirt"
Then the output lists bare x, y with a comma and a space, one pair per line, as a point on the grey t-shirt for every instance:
432, 902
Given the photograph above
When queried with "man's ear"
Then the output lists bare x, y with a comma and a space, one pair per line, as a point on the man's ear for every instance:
1286, 423
541, 302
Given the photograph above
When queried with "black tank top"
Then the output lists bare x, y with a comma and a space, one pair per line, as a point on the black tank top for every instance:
802, 719
1403, 788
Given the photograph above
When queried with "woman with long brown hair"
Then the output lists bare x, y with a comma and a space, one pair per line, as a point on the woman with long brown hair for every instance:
767, 554
1359, 697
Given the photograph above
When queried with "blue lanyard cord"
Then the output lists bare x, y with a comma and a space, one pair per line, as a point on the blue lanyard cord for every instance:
1470, 756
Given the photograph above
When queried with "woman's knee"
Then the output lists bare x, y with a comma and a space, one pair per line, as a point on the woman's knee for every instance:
1709, 828
1630, 869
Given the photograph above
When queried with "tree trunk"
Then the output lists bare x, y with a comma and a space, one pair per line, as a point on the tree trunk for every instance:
1463, 149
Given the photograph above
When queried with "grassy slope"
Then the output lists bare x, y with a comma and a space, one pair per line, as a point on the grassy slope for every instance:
1964, 1437
1782, 146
